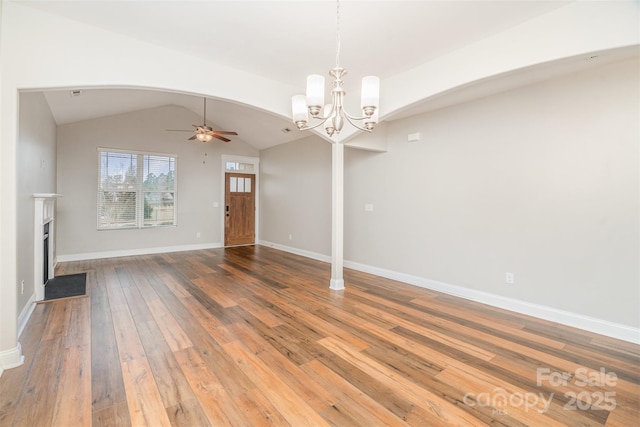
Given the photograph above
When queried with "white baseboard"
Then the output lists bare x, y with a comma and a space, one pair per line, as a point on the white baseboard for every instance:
11, 358
598, 326
132, 252
301, 252
25, 314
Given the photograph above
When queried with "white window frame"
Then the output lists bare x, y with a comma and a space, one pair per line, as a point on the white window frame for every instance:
138, 189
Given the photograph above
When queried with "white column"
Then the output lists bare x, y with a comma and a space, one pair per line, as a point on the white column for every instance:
337, 215
10, 350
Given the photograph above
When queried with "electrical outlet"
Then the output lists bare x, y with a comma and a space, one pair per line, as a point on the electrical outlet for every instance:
509, 278
22, 287
198, 235
290, 237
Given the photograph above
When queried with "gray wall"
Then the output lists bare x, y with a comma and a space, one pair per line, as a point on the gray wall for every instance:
541, 181
199, 180
36, 160
295, 195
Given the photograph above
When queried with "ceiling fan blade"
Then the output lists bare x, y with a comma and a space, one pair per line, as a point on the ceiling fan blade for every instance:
208, 130
222, 138
224, 132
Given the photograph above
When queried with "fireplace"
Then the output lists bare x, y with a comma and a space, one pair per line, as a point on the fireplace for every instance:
44, 241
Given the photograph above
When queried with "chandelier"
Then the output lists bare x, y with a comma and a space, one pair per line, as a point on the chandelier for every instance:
332, 116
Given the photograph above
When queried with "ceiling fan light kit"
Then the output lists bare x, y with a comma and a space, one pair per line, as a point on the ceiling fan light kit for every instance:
332, 116
205, 133
204, 137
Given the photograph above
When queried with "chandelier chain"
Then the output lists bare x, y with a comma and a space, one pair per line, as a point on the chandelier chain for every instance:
337, 33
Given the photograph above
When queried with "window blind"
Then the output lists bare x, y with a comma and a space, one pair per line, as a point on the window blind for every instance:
136, 190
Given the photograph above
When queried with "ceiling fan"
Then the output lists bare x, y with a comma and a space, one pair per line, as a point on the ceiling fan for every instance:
205, 133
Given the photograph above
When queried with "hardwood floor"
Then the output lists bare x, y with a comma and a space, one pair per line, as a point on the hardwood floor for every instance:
253, 336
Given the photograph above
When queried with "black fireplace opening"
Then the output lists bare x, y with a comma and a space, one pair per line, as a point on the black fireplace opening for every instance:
45, 257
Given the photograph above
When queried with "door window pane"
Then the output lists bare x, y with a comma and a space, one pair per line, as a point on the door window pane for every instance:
239, 167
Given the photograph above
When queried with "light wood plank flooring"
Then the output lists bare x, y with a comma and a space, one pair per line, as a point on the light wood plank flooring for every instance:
251, 336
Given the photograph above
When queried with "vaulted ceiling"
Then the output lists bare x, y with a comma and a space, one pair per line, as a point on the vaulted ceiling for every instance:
284, 41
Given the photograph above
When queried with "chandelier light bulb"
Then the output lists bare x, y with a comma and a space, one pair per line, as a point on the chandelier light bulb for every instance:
370, 92
299, 110
315, 93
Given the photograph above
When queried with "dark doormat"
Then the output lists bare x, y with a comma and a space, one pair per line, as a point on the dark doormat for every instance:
71, 285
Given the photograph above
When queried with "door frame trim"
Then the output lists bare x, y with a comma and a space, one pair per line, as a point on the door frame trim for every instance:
255, 161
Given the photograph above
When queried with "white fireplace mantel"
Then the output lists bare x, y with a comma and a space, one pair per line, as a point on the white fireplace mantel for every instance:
44, 213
